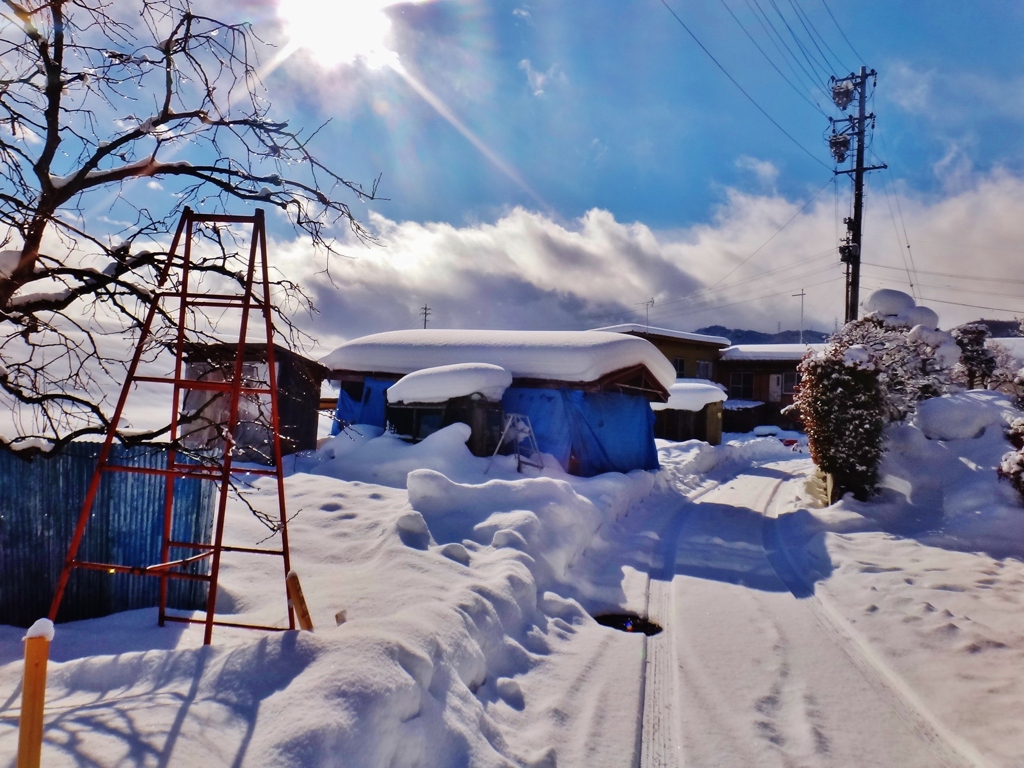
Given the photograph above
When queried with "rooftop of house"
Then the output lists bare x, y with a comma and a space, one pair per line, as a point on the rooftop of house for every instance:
668, 333
769, 351
569, 356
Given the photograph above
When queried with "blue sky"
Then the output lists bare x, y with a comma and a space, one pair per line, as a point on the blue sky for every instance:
522, 143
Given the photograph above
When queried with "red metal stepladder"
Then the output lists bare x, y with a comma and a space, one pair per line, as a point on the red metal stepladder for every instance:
187, 297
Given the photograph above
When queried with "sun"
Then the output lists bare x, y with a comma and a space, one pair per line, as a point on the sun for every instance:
340, 32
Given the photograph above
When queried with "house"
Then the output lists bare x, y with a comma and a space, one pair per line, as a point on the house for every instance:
692, 354
298, 386
761, 380
587, 394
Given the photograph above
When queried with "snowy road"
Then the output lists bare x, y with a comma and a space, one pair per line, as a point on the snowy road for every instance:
748, 673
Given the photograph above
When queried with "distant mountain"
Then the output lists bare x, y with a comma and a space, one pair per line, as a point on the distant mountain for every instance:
741, 336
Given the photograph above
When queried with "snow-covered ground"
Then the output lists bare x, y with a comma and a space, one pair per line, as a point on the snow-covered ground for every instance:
888, 633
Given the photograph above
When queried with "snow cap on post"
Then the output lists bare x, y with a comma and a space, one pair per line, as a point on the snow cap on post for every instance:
42, 628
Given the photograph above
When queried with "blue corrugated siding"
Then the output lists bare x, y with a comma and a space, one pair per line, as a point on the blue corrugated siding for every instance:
40, 500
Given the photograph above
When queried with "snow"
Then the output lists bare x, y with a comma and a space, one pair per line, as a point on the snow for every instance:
436, 385
770, 351
453, 597
858, 356
571, 356
41, 628
896, 308
692, 395
964, 415
739, 405
947, 351
669, 332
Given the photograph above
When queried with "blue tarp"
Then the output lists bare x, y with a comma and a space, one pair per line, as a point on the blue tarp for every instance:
589, 432
370, 410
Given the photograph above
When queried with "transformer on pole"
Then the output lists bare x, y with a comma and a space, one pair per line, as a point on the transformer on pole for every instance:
847, 130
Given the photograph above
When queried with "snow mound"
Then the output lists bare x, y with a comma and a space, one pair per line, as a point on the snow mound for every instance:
964, 415
896, 308
692, 395
444, 382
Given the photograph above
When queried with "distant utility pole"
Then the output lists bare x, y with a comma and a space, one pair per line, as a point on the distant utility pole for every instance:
844, 90
801, 295
649, 304
426, 313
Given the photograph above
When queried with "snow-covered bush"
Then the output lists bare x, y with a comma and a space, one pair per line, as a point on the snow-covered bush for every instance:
977, 362
1012, 466
913, 364
843, 409
873, 371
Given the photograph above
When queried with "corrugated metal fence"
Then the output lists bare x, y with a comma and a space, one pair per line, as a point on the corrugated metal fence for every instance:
40, 500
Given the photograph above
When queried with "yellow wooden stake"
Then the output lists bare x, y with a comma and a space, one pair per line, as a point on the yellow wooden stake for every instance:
298, 602
33, 696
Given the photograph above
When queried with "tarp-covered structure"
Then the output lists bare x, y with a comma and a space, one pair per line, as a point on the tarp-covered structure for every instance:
587, 393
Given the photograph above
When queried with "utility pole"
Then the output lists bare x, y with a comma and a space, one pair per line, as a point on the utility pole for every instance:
426, 313
649, 304
801, 295
844, 90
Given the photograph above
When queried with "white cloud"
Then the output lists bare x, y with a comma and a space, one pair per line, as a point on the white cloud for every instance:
521, 13
525, 270
765, 171
537, 80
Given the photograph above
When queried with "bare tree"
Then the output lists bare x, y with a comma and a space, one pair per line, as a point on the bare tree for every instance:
97, 99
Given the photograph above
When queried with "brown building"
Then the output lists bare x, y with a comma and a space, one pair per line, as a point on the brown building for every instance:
761, 380
694, 355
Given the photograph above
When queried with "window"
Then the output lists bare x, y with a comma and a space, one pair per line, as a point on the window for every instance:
789, 382
741, 386
704, 369
680, 364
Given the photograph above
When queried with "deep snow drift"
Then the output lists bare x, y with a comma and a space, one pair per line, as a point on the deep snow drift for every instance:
463, 591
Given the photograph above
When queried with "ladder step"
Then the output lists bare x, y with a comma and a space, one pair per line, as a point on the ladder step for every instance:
208, 386
141, 571
225, 548
188, 620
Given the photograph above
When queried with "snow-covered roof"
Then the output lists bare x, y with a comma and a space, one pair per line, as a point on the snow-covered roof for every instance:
769, 351
576, 356
436, 385
653, 331
692, 395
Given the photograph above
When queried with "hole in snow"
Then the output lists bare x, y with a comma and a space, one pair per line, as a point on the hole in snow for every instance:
628, 622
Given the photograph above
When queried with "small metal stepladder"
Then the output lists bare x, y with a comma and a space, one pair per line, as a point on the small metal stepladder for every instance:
519, 432
218, 468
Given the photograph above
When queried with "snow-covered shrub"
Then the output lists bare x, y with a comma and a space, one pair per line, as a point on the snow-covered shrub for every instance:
913, 364
1012, 466
977, 362
843, 408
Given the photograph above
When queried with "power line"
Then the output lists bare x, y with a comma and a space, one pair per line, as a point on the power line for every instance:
742, 90
802, 14
773, 35
952, 274
799, 44
777, 233
859, 57
791, 84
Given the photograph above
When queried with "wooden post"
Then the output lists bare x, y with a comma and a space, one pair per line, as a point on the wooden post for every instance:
298, 602
33, 694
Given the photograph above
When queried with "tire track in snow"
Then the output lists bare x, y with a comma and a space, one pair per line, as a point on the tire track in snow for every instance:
745, 674
954, 750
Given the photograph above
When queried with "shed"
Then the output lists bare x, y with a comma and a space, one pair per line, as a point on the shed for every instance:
693, 412
298, 386
693, 355
586, 393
